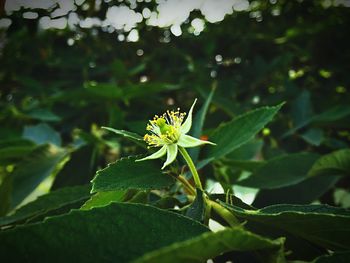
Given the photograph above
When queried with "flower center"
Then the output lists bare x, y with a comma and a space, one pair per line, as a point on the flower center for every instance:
164, 129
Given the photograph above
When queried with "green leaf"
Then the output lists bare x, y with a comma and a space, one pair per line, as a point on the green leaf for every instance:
119, 232
128, 174
103, 198
337, 257
79, 169
42, 133
43, 115
104, 90
244, 165
336, 113
313, 136
304, 192
33, 169
198, 123
323, 225
209, 245
197, 210
13, 154
301, 112
5, 192
145, 89
16, 142
335, 163
247, 151
239, 131
48, 202
127, 134
281, 171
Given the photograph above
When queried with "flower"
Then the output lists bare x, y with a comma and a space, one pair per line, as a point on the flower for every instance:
169, 132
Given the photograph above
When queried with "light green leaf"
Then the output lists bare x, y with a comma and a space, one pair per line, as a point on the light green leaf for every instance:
335, 163
281, 171
323, 225
103, 198
240, 130
119, 232
49, 202
33, 169
42, 133
128, 174
209, 245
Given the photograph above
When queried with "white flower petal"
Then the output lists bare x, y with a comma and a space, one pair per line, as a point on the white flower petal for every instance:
186, 126
171, 150
155, 155
187, 141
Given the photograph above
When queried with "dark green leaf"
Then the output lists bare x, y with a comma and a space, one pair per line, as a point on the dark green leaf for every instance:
198, 123
242, 129
48, 202
12, 154
341, 257
301, 112
128, 174
78, 170
323, 225
281, 171
335, 163
105, 90
43, 115
247, 151
145, 89
313, 136
5, 192
118, 232
331, 115
34, 168
209, 245
197, 210
244, 165
304, 192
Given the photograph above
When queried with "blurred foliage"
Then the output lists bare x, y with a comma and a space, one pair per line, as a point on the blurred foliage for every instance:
59, 87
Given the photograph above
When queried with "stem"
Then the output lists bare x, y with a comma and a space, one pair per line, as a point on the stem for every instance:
190, 164
186, 184
224, 213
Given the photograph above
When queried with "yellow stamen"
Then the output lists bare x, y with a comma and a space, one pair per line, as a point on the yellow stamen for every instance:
164, 129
